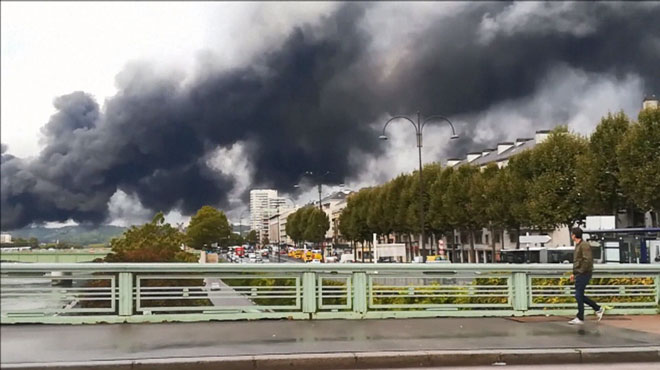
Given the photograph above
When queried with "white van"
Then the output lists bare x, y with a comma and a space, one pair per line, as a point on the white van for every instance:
347, 258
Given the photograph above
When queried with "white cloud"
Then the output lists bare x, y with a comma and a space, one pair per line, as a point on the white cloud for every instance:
234, 161
54, 48
565, 96
126, 210
537, 17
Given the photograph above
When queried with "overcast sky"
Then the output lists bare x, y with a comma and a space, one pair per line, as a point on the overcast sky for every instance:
103, 103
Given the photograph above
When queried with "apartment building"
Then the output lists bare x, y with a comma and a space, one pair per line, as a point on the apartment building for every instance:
264, 204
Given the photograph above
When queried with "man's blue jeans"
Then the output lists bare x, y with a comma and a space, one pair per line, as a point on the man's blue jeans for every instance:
581, 281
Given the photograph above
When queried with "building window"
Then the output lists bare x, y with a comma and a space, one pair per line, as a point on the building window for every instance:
496, 236
464, 238
487, 239
478, 238
512, 236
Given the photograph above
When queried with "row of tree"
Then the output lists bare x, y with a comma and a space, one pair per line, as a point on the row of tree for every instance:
557, 182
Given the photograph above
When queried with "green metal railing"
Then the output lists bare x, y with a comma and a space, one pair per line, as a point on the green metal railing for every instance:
156, 292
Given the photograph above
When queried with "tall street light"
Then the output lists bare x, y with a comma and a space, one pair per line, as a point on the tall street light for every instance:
318, 179
419, 128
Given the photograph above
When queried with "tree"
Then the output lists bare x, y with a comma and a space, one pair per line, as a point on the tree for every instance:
346, 227
234, 239
353, 220
439, 215
294, 226
252, 237
431, 172
598, 167
34, 242
206, 227
465, 202
496, 211
516, 179
316, 224
155, 241
554, 198
638, 159
265, 241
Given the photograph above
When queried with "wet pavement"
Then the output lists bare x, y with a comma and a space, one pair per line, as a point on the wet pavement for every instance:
617, 366
58, 343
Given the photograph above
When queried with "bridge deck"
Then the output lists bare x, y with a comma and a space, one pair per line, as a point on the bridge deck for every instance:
24, 344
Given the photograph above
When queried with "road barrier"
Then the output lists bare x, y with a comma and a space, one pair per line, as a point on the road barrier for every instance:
158, 292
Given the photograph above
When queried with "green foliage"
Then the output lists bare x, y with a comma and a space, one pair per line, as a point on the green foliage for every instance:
598, 167
439, 212
554, 197
466, 192
638, 157
307, 223
564, 285
234, 239
316, 225
353, 220
155, 241
454, 294
206, 227
252, 237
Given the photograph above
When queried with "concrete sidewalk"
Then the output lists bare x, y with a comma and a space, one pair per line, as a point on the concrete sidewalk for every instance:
331, 344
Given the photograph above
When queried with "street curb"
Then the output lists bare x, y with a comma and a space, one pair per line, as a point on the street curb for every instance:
365, 360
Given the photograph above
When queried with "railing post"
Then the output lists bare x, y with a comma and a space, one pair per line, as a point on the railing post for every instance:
520, 291
125, 294
309, 292
360, 292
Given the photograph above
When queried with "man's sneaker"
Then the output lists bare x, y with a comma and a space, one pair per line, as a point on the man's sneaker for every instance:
600, 313
576, 321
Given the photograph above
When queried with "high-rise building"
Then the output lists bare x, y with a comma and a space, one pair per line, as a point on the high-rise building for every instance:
264, 203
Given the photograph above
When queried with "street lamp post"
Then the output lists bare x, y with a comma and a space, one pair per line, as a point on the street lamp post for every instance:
419, 128
319, 180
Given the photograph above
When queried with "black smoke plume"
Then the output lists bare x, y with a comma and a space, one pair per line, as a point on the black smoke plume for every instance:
308, 104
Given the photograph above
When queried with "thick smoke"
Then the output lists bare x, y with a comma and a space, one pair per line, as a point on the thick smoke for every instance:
314, 100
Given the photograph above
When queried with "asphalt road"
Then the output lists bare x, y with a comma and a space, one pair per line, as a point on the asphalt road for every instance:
226, 295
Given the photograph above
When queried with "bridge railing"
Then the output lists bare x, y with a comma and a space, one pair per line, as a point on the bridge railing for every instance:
155, 292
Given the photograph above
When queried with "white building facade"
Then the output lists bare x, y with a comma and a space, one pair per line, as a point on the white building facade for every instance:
5, 238
264, 204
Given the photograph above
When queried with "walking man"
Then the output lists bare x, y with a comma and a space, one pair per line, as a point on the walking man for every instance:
583, 266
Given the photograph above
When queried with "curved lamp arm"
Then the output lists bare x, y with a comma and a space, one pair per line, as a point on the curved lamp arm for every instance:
442, 118
398, 117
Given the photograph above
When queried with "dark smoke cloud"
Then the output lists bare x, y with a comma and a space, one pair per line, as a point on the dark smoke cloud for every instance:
309, 103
